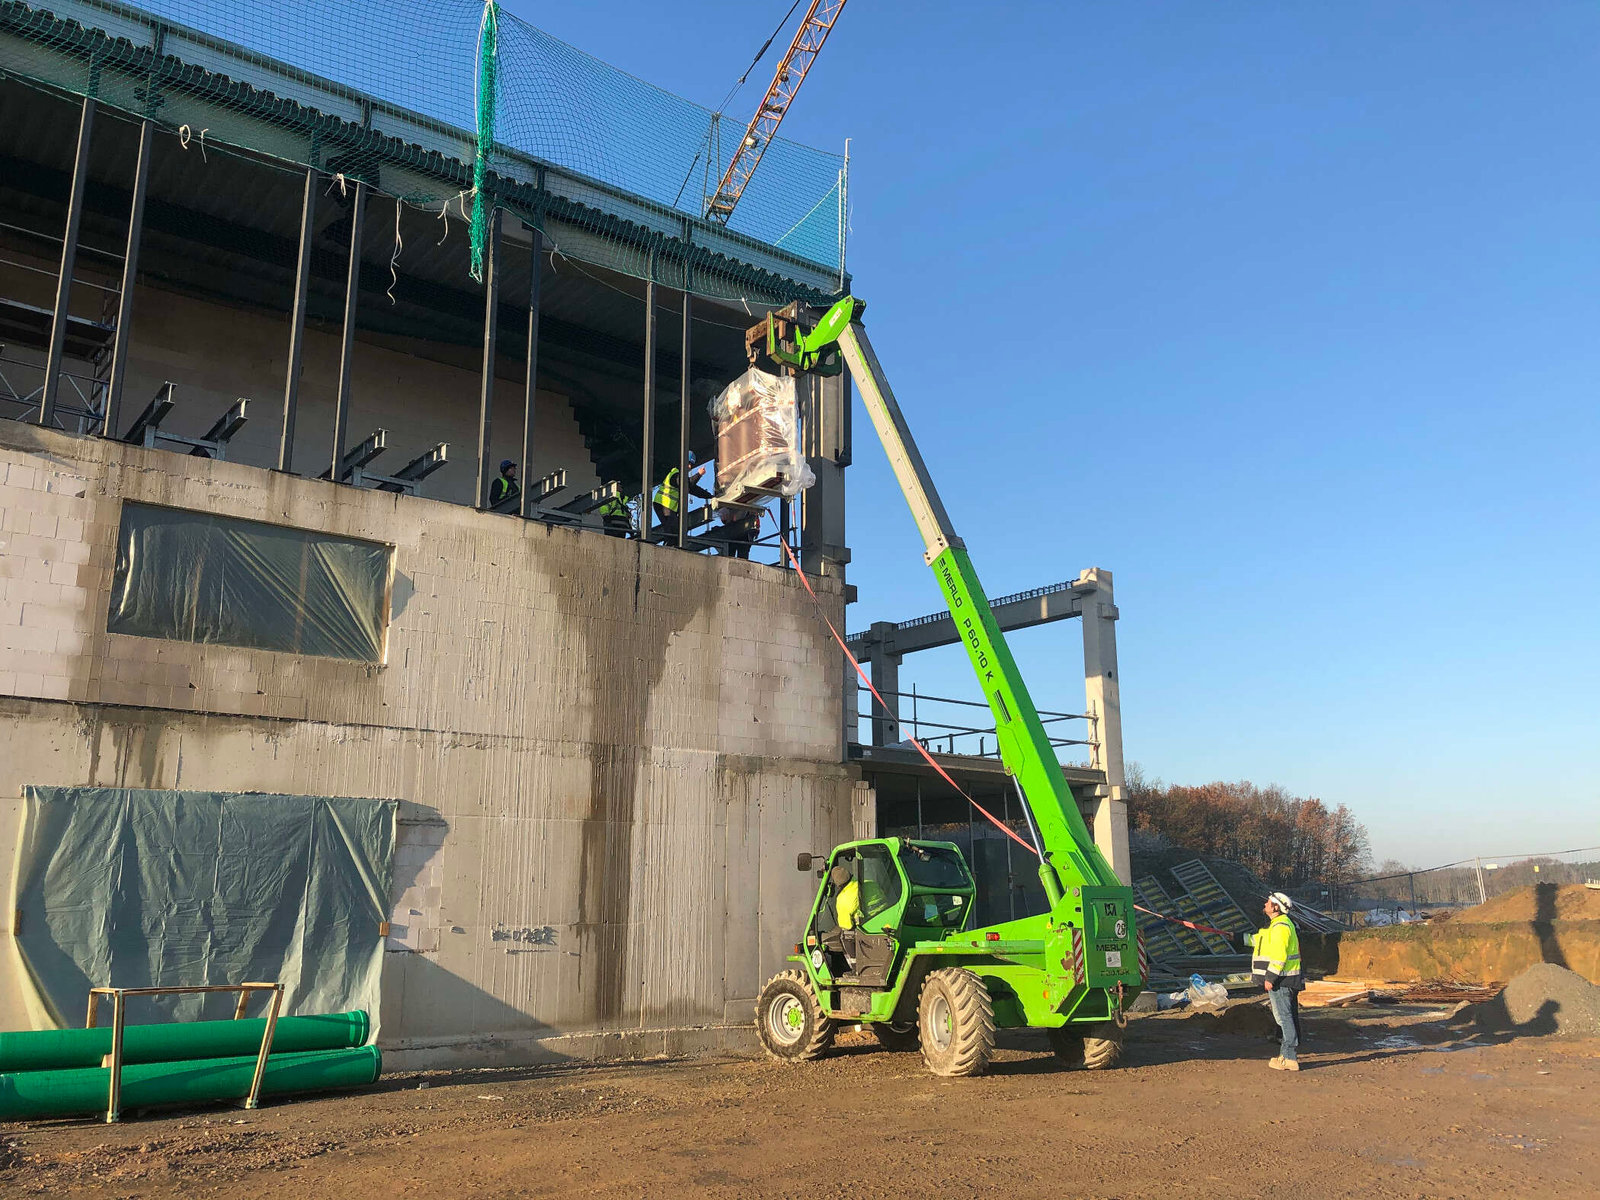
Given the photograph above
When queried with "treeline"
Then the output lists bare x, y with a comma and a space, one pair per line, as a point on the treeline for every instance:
1395, 884
1290, 841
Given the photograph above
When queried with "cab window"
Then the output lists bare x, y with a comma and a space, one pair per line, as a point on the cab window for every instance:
880, 882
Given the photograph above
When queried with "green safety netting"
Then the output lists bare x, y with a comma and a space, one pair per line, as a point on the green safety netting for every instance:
457, 103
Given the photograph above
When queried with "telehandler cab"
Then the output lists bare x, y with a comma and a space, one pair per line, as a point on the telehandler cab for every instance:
913, 968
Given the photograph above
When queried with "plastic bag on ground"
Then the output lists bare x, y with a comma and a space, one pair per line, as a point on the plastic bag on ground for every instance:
757, 419
1209, 997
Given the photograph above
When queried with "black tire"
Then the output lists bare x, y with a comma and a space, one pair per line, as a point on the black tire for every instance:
1067, 1042
789, 1020
1102, 1045
899, 1038
955, 1018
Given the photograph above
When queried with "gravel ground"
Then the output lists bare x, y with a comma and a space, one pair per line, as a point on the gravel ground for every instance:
1390, 1102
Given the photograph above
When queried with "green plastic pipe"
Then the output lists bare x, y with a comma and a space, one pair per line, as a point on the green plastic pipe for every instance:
61, 1049
26, 1095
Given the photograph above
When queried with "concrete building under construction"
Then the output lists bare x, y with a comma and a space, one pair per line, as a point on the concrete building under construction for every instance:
524, 789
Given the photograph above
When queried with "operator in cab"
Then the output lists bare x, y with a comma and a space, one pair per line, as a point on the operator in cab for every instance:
1275, 960
848, 904
847, 907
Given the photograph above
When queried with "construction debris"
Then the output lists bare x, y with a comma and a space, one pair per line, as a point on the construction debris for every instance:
1343, 993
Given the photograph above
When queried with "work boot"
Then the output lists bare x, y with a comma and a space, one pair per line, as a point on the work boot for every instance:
1284, 1064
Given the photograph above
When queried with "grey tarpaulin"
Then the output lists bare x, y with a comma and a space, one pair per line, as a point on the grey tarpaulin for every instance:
130, 887
197, 577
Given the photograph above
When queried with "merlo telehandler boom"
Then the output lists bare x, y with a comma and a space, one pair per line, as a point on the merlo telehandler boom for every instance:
920, 973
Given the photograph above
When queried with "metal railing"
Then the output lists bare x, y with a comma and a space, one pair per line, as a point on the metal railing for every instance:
948, 727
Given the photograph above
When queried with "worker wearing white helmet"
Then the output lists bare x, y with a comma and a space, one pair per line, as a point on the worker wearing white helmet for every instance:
1276, 962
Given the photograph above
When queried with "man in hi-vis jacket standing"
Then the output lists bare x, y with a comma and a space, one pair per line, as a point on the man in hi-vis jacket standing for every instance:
1276, 962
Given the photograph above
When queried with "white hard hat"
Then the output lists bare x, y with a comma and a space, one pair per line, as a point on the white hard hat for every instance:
1283, 902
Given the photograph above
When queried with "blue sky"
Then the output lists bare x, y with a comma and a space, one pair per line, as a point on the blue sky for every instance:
1288, 314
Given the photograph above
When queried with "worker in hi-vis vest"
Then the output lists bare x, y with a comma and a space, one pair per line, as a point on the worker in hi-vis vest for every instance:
847, 908
1275, 960
667, 499
616, 518
504, 488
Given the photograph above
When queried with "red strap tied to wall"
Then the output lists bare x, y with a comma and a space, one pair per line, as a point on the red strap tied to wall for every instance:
922, 750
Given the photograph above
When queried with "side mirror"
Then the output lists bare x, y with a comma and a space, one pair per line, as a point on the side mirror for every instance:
802, 862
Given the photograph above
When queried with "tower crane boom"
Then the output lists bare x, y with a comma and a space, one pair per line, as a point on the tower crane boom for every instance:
763, 127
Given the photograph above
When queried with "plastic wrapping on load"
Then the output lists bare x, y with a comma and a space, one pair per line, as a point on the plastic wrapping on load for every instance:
757, 419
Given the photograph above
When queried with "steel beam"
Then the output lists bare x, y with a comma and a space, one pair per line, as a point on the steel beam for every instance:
530, 386
648, 436
130, 270
352, 289
683, 421
69, 262
297, 322
491, 331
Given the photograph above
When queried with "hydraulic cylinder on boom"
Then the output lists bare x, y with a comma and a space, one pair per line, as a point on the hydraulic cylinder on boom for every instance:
914, 969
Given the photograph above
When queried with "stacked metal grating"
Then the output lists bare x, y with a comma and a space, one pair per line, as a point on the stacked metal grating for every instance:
612, 169
1199, 898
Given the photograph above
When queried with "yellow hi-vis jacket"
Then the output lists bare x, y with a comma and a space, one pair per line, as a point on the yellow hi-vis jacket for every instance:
1276, 953
667, 493
848, 906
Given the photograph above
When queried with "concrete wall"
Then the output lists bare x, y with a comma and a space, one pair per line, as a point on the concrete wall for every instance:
607, 753
216, 353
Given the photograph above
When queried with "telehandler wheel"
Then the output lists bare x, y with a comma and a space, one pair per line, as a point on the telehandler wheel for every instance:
1102, 1045
899, 1038
789, 1021
1067, 1042
956, 1020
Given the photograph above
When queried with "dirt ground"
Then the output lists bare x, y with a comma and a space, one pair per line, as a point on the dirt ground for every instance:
1391, 1102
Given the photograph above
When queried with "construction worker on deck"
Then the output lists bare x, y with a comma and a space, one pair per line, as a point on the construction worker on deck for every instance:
667, 500
1275, 960
505, 487
616, 517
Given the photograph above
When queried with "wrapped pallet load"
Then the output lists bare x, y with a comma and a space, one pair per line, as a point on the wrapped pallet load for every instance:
757, 421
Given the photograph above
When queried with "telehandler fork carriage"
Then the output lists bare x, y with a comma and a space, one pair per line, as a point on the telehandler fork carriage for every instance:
913, 968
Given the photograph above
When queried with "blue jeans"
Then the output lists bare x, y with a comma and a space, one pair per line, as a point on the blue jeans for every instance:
1282, 1001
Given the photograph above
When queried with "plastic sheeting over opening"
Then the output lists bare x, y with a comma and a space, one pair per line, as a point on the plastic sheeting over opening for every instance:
126, 887
196, 577
757, 419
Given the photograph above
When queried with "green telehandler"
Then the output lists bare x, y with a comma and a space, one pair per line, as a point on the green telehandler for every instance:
914, 969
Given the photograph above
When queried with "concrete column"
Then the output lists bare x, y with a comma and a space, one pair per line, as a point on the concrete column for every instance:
885, 672
863, 811
1103, 700
825, 433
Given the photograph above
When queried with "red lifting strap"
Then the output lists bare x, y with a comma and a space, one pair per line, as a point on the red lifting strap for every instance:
1181, 921
943, 774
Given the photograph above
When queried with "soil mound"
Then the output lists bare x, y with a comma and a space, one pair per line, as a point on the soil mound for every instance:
1543, 1000
1542, 902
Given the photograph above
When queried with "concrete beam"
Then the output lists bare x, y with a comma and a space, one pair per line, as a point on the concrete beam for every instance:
1022, 610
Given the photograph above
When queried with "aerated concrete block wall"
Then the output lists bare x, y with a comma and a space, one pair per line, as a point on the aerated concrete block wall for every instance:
423, 393
607, 753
